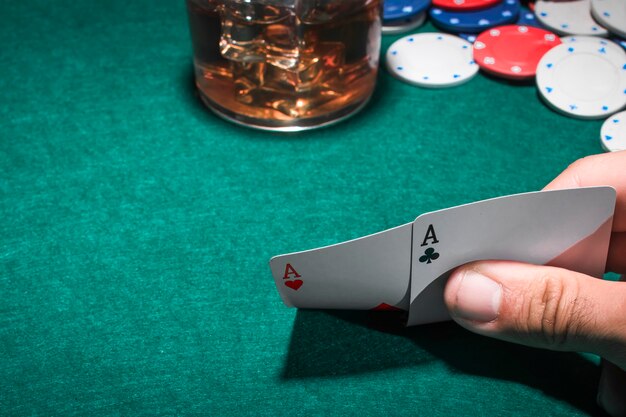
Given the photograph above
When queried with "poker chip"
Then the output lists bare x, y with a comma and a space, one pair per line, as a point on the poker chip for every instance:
464, 4
609, 44
476, 21
513, 51
613, 133
528, 18
470, 37
596, 41
402, 9
584, 78
404, 25
611, 14
571, 17
432, 60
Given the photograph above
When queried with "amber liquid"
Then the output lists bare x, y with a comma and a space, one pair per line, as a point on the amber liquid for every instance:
285, 68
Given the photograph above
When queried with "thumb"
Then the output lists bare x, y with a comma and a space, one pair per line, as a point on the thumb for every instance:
540, 306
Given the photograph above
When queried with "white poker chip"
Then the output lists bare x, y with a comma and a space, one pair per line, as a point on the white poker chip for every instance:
603, 42
611, 14
613, 133
431, 60
584, 79
404, 25
568, 17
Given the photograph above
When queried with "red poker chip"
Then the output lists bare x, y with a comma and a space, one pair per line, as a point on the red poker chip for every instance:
513, 51
466, 5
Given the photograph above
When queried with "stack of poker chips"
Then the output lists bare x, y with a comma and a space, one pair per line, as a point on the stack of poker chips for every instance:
473, 16
585, 77
401, 16
574, 51
604, 18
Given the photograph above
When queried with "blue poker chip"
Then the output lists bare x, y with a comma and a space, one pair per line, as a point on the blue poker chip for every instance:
394, 27
402, 9
528, 18
470, 37
477, 20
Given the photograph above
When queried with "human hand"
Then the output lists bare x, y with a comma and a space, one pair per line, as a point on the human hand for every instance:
555, 308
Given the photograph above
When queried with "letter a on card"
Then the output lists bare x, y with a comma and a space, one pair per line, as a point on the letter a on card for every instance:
290, 270
430, 235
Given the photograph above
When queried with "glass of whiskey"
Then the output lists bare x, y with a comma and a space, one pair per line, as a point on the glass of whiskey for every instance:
285, 65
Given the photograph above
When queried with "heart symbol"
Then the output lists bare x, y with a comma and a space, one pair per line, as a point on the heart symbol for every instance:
295, 284
549, 89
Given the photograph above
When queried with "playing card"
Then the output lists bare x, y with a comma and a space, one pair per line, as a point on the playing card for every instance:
371, 272
406, 267
565, 228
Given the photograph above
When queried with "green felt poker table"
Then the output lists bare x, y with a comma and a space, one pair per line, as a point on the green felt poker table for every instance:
136, 229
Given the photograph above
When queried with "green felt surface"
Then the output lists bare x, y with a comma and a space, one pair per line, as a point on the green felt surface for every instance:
136, 229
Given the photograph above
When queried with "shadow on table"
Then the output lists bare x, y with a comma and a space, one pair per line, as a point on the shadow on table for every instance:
529, 82
340, 343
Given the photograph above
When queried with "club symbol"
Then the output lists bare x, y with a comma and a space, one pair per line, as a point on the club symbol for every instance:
429, 256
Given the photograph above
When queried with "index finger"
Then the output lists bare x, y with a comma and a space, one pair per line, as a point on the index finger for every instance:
604, 169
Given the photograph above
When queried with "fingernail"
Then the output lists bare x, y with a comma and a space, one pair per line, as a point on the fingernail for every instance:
478, 298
